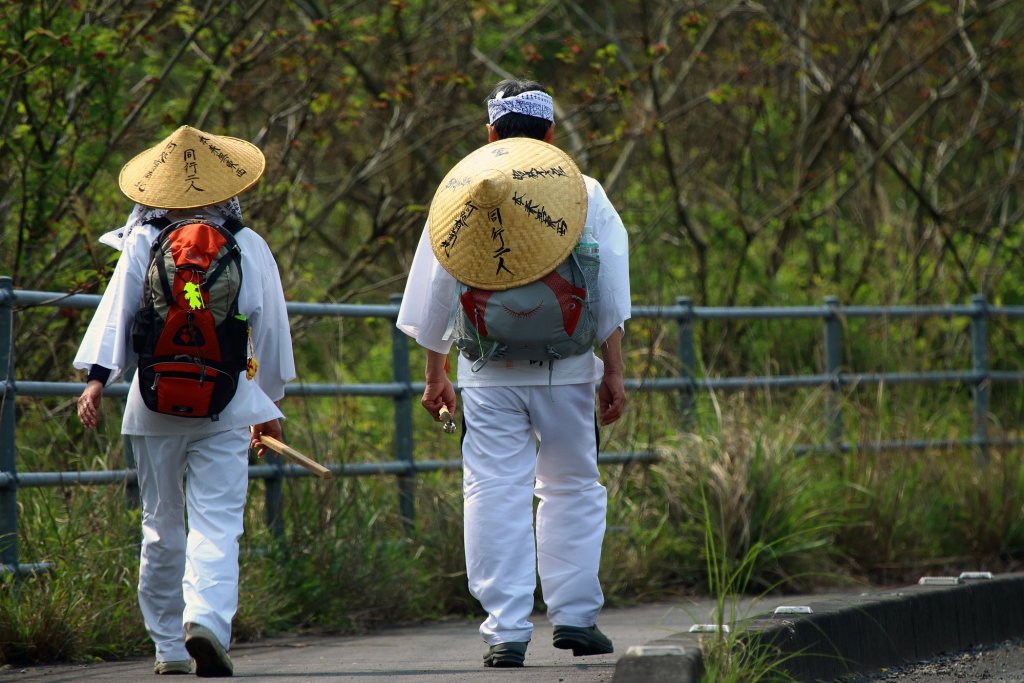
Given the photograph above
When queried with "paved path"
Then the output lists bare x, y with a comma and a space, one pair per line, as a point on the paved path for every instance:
433, 653
839, 634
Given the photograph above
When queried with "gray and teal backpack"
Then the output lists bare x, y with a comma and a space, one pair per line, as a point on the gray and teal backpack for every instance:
544, 320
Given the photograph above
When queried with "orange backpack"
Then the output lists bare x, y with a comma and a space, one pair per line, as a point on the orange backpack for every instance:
188, 333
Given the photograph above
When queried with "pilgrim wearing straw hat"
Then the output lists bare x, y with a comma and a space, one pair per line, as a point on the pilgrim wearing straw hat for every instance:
532, 190
188, 580
506, 215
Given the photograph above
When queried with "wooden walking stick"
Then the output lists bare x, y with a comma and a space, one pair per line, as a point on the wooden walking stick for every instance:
296, 457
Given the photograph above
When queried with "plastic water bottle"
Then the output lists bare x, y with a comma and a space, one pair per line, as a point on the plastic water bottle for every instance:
588, 255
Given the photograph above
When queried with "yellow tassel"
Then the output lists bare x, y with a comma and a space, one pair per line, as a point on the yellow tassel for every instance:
251, 365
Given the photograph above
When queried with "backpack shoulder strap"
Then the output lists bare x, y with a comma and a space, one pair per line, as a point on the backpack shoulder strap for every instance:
158, 222
234, 254
163, 227
454, 310
233, 226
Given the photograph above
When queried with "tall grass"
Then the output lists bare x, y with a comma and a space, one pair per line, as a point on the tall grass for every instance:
738, 476
730, 654
85, 606
733, 512
346, 564
777, 522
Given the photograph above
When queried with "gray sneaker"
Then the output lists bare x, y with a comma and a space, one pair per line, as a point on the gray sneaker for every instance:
582, 641
211, 659
506, 655
173, 667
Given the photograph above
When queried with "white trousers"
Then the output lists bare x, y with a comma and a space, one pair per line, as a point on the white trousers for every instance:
502, 472
194, 577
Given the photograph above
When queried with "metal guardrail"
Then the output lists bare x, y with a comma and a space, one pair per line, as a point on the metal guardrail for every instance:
402, 390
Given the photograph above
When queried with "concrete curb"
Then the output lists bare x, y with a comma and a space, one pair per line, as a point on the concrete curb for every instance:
854, 633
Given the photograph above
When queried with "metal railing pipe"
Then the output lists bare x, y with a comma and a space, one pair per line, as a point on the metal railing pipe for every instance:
8, 460
687, 360
43, 479
117, 389
403, 391
343, 310
833, 367
980, 388
403, 421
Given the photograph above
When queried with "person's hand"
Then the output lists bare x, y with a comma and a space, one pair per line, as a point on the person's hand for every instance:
89, 404
271, 428
612, 397
437, 393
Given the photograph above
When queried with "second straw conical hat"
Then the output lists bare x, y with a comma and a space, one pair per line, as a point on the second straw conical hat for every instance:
190, 168
508, 213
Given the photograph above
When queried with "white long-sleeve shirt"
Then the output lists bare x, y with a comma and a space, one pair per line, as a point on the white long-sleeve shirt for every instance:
107, 341
430, 293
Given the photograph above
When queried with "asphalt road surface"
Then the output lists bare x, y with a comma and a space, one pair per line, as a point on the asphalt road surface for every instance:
449, 652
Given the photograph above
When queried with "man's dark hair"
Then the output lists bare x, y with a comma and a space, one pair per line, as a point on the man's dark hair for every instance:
519, 125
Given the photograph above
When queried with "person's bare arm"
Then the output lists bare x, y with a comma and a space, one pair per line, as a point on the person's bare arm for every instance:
612, 392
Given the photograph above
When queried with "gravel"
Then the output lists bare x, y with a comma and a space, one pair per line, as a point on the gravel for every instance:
999, 663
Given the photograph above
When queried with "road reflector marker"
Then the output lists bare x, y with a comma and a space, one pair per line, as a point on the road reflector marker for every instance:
939, 580
793, 609
654, 650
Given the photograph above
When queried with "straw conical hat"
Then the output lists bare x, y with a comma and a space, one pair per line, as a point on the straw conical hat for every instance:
191, 168
508, 213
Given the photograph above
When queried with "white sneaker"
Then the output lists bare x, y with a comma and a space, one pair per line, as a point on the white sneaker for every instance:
173, 667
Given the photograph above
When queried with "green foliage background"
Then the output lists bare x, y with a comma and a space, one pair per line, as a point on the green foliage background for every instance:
760, 154
765, 153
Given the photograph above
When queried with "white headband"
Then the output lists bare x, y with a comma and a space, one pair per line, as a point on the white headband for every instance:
532, 103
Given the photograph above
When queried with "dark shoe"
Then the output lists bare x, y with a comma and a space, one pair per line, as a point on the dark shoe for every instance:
506, 655
211, 659
582, 641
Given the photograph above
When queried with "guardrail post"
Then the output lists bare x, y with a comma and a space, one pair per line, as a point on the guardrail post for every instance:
687, 359
273, 494
131, 488
273, 491
833, 365
132, 500
403, 421
980, 388
9, 494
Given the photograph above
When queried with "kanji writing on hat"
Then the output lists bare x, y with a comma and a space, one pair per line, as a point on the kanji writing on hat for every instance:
449, 242
498, 234
191, 171
559, 225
